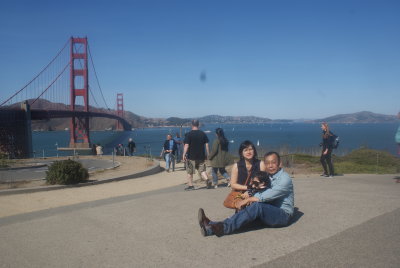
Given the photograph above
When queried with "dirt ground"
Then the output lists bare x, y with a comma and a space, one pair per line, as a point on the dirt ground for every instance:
127, 166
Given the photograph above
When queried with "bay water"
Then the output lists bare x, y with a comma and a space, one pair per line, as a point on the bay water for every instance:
281, 137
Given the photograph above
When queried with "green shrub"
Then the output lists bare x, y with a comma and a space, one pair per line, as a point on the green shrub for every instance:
66, 172
3, 161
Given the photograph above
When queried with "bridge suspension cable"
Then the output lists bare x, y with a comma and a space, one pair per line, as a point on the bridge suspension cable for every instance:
97, 79
33, 79
58, 76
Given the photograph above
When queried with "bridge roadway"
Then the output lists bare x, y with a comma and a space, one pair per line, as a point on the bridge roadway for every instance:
348, 221
48, 114
37, 114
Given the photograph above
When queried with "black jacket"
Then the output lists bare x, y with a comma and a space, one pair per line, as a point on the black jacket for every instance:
166, 146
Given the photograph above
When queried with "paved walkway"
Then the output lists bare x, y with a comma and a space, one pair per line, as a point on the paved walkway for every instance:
348, 221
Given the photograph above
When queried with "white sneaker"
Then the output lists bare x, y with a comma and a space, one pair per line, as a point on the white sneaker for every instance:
215, 186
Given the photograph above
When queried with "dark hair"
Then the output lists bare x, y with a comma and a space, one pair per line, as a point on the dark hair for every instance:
195, 123
261, 175
275, 153
243, 146
222, 140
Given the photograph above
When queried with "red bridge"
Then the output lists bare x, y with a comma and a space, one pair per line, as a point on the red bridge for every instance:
70, 96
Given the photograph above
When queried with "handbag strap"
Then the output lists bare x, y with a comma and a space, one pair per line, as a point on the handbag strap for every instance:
248, 177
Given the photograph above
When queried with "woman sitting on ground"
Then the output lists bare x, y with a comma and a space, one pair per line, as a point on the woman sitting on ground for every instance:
246, 168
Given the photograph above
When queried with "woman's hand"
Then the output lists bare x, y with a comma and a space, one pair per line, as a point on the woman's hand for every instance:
241, 203
245, 195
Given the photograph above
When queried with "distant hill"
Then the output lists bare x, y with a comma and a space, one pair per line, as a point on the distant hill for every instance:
360, 117
218, 119
140, 121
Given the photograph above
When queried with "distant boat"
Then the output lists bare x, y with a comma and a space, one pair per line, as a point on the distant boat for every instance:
207, 131
233, 129
258, 142
231, 141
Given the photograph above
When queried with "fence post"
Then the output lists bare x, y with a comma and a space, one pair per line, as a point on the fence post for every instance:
377, 163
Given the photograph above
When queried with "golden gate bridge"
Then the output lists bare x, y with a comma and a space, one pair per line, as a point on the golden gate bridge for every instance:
64, 85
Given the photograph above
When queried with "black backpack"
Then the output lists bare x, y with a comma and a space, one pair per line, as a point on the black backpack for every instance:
335, 141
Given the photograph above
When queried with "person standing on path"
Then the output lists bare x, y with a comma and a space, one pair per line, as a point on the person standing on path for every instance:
131, 147
178, 141
196, 146
219, 157
326, 154
99, 150
169, 150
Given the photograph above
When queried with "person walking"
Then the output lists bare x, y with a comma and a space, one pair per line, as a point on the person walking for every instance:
219, 157
194, 152
178, 141
326, 154
131, 147
168, 151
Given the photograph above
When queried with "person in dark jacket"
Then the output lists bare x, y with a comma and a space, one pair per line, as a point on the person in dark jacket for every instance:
131, 147
169, 150
326, 154
219, 157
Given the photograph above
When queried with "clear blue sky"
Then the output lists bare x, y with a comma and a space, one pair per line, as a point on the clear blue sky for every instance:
276, 59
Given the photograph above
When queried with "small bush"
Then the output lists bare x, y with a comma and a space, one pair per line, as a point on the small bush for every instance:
3, 161
66, 172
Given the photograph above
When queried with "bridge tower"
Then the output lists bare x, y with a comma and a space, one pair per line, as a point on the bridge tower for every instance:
79, 87
120, 109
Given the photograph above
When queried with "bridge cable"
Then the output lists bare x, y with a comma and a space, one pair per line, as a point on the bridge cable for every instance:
97, 79
44, 69
58, 76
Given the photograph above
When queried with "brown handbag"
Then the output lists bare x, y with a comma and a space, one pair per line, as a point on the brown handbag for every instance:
234, 196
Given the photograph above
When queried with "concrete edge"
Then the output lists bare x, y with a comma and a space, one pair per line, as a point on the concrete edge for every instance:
156, 168
24, 167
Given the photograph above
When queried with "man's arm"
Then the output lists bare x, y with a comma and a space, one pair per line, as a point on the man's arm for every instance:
281, 188
185, 149
207, 149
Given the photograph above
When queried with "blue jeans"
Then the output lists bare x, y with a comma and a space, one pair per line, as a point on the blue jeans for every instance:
268, 214
215, 176
169, 161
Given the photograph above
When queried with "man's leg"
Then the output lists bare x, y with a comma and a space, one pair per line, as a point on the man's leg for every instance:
214, 175
201, 168
172, 160
268, 214
167, 160
190, 171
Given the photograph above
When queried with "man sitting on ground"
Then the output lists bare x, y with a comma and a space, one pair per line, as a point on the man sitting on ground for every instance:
274, 206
